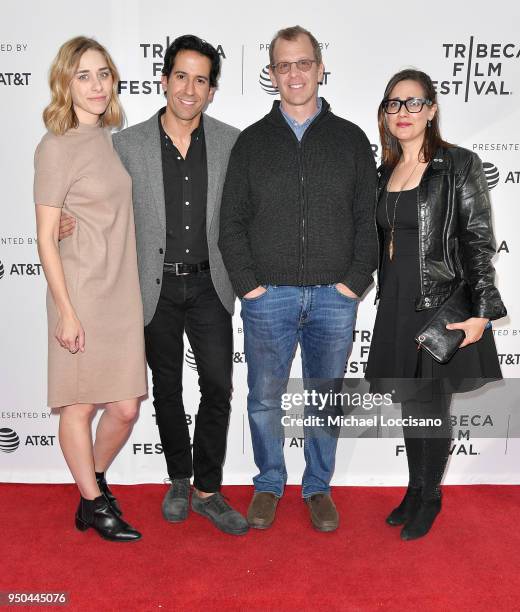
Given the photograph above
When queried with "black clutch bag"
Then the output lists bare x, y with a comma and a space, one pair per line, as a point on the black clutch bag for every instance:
440, 342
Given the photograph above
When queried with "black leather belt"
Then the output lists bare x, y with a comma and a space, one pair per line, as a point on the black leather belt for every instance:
181, 269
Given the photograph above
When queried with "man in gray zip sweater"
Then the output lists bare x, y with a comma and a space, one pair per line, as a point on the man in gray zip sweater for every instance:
298, 239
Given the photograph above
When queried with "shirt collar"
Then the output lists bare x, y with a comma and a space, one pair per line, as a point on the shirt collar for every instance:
196, 134
308, 121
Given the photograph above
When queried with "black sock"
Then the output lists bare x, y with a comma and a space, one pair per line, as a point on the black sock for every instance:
86, 509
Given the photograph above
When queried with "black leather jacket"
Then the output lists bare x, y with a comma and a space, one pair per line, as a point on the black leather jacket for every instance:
455, 233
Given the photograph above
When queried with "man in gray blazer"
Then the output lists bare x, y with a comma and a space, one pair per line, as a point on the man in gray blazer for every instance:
177, 160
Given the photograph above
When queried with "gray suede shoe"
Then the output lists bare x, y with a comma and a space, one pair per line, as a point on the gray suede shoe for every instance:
220, 513
176, 502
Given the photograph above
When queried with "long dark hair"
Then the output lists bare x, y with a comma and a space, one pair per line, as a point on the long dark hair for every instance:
391, 150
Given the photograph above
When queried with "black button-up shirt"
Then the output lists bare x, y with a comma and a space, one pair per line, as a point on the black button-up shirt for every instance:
185, 196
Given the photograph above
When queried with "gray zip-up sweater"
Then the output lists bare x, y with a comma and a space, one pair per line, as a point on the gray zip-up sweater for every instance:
299, 213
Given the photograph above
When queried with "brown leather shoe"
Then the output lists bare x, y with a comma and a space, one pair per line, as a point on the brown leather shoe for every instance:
262, 509
324, 515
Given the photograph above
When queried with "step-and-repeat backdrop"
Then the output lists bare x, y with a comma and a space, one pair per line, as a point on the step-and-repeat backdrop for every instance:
474, 57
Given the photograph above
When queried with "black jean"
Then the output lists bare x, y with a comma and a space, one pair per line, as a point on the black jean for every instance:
190, 303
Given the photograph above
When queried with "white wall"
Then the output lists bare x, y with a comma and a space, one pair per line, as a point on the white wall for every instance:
363, 45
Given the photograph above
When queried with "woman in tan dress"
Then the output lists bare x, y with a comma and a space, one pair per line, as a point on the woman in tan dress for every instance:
95, 319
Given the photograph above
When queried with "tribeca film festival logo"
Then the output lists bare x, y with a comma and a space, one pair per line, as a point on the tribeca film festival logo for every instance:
265, 81
153, 52
465, 428
358, 360
10, 440
477, 68
21, 269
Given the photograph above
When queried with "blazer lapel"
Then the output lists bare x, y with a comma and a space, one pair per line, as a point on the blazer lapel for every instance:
151, 148
214, 169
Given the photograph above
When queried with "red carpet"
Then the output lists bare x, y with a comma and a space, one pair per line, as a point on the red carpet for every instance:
469, 561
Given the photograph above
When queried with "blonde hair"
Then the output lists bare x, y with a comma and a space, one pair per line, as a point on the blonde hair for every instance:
59, 115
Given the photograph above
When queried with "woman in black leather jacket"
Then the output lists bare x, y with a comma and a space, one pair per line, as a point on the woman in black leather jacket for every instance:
434, 227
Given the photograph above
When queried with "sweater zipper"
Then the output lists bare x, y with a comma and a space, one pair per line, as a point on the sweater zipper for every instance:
302, 192
302, 212
301, 273
299, 144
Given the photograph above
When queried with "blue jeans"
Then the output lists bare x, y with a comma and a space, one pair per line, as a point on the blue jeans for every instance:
321, 320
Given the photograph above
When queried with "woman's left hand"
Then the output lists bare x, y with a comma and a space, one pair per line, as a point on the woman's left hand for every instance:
473, 329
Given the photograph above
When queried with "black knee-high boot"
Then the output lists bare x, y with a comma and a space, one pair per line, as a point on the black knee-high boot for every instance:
412, 498
435, 443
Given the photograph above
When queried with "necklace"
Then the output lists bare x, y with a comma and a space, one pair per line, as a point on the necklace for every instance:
391, 248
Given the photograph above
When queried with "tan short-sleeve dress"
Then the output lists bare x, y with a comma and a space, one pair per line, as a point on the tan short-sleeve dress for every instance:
81, 172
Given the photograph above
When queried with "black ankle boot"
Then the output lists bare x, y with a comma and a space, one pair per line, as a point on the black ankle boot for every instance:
421, 523
99, 514
107, 493
406, 509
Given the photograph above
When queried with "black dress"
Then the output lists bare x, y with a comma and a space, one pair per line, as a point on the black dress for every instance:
394, 353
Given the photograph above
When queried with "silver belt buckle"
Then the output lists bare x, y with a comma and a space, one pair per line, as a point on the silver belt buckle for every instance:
177, 273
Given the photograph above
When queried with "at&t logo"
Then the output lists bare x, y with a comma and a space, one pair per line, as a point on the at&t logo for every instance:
492, 174
22, 269
190, 359
14, 78
266, 84
9, 440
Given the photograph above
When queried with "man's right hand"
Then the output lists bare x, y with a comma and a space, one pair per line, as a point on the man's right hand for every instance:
255, 293
67, 225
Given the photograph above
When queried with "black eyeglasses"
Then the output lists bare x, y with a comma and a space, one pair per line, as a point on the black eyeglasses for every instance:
391, 106
283, 67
